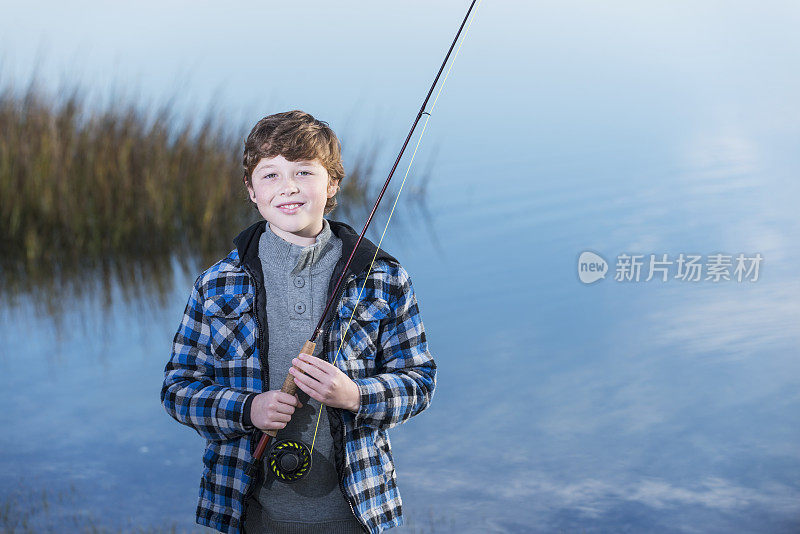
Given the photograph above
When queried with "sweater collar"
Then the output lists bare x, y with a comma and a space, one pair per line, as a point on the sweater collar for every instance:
248, 240
284, 255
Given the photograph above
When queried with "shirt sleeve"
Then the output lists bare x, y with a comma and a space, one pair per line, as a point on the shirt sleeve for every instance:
407, 378
189, 393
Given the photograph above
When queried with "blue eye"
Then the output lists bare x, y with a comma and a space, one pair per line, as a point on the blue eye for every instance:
270, 175
301, 172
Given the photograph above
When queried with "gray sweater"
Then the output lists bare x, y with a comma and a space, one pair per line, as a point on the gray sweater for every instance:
296, 281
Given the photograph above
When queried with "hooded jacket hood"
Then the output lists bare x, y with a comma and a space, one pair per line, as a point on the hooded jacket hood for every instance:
247, 245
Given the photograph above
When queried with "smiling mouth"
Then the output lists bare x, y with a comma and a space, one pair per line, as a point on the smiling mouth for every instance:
290, 208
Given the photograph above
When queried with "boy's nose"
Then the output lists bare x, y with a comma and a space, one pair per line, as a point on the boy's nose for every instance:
290, 185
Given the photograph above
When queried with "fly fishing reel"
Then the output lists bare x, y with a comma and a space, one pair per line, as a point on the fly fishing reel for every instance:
289, 460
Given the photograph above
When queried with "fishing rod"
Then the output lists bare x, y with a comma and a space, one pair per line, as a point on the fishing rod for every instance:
291, 460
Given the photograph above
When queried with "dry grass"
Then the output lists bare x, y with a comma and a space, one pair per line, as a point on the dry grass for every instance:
83, 187
92, 195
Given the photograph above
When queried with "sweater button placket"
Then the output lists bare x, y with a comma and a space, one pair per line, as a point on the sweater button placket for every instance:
300, 291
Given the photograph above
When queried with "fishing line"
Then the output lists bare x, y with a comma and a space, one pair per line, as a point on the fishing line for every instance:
419, 140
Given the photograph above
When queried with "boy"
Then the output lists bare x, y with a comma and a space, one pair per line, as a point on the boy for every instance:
247, 318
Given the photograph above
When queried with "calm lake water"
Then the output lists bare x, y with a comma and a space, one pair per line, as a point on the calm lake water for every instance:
616, 406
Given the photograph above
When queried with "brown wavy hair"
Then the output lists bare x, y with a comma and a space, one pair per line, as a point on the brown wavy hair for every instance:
295, 135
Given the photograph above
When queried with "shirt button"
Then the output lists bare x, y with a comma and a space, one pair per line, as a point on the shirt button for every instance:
299, 307
299, 281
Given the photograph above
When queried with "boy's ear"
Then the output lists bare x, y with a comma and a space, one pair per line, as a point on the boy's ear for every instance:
333, 187
250, 191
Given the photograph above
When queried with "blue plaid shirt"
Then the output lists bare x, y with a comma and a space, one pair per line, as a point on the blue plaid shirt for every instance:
218, 365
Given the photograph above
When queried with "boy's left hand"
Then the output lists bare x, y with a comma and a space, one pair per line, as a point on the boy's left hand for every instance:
325, 382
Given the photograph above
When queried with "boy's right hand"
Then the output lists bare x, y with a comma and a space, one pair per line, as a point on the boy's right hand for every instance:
271, 410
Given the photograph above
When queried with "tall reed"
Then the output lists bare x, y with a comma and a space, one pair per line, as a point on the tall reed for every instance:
119, 191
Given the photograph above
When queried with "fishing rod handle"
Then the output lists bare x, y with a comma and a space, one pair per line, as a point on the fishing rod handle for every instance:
288, 387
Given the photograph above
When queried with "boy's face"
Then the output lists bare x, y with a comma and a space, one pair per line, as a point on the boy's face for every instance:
291, 196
